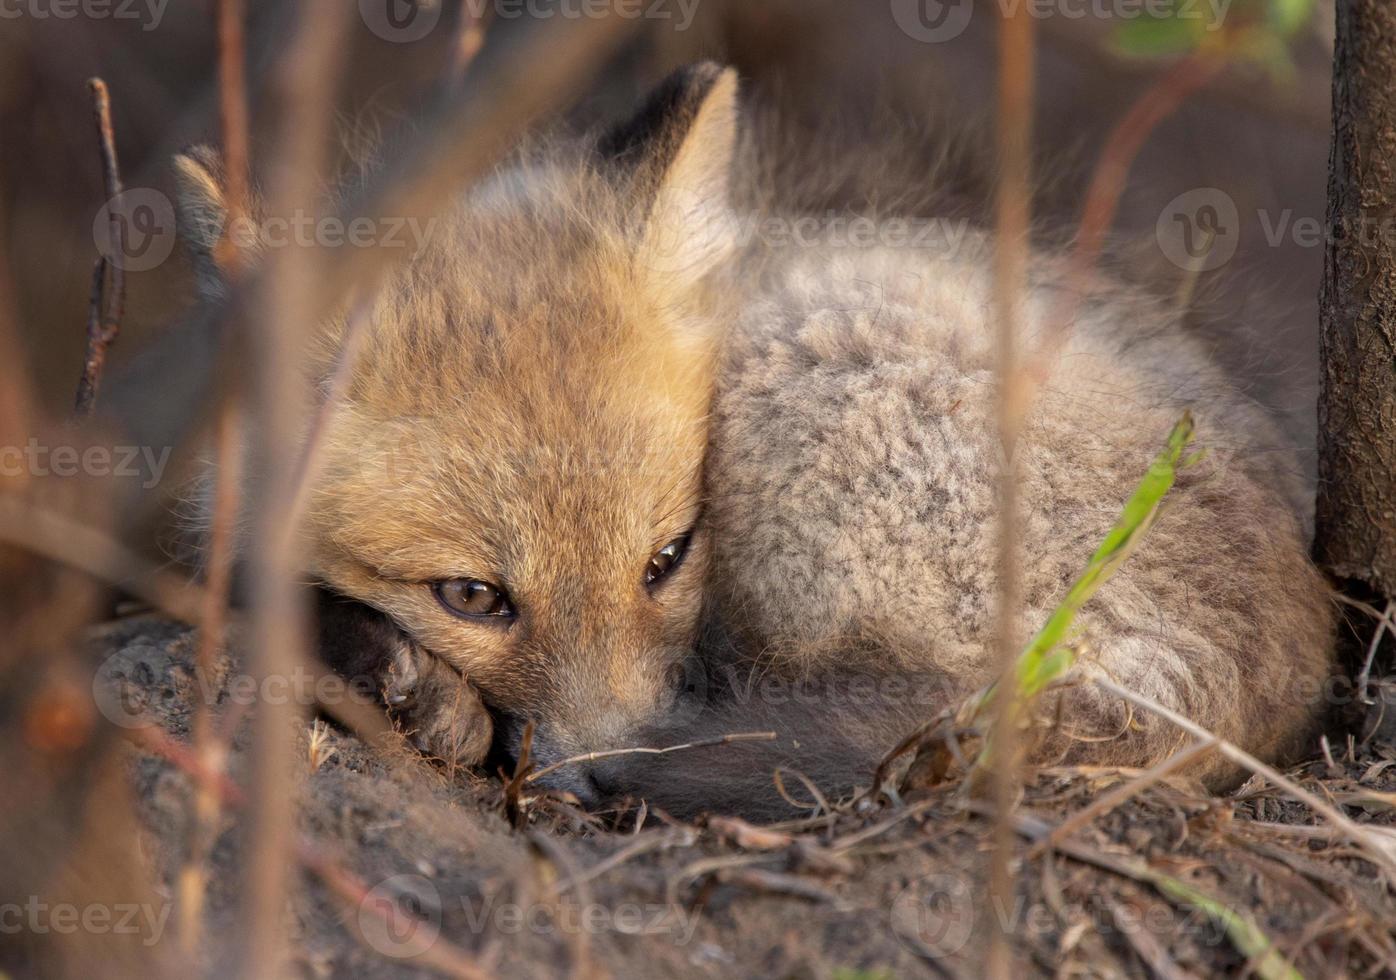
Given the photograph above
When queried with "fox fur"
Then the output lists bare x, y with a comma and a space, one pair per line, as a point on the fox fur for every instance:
588, 362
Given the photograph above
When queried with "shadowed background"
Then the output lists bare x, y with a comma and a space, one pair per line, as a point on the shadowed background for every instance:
825, 62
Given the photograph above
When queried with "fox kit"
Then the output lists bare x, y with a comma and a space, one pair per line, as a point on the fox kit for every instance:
606, 468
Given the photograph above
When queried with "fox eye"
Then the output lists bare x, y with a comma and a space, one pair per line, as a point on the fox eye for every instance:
665, 560
472, 599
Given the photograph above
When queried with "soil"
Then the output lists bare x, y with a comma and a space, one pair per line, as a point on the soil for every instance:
407, 869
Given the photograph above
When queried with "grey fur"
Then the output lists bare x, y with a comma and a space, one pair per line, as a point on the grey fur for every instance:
852, 472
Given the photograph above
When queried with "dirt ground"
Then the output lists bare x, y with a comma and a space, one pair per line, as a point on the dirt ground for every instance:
409, 870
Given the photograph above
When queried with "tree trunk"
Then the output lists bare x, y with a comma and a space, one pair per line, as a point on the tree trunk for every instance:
1356, 519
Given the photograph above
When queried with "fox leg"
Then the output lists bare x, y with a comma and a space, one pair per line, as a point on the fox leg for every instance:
439, 710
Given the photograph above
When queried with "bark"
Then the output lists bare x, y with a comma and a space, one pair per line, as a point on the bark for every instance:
1356, 519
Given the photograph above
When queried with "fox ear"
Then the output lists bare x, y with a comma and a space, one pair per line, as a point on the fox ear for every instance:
681, 147
203, 214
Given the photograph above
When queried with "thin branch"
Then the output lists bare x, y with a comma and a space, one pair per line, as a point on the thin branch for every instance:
1383, 852
156, 741
1364, 677
440, 955
1158, 102
778, 883
108, 300
728, 739
95, 356
1308, 832
658, 840
233, 117
1121, 794
303, 86
208, 744
1013, 205
819, 804
312, 449
209, 741
849, 841
58, 538
1145, 944
16, 388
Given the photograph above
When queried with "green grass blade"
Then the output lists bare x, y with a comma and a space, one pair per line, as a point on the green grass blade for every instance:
1265, 958
1047, 656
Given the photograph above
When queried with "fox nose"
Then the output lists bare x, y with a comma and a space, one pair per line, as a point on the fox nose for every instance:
583, 779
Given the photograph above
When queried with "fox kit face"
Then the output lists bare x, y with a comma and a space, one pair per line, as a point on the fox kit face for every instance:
528, 507
515, 473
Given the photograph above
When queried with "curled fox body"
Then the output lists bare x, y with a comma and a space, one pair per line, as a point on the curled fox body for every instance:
635, 480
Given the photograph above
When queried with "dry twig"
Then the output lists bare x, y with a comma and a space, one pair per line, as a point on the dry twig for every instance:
59, 538
1364, 677
1013, 206
440, 955
304, 84
16, 394
233, 117
1381, 851
612, 753
658, 840
108, 298
210, 747
1160, 101
1121, 795
209, 743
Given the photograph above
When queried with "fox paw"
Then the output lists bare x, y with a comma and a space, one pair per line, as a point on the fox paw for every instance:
437, 709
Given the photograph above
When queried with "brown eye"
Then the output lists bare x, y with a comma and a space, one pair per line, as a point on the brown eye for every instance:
472, 599
665, 560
